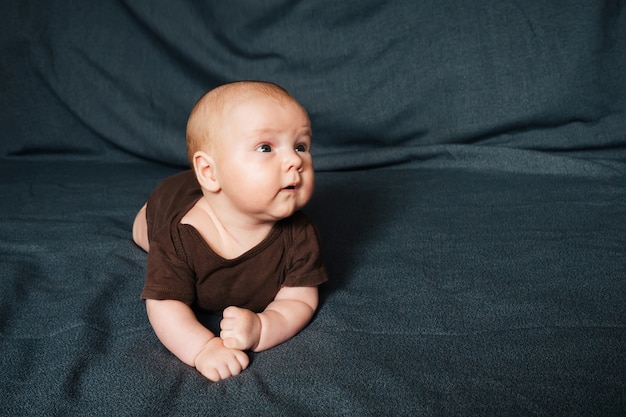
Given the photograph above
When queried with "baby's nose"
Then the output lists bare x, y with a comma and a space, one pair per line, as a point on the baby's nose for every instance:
293, 160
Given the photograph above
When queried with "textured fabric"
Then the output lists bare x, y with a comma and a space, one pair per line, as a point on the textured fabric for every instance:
470, 199
124, 75
182, 266
452, 292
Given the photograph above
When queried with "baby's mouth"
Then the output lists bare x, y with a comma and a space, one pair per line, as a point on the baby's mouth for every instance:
291, 187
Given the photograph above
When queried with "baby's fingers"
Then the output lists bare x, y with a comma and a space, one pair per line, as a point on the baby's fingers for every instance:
231, 312
243, 360
230, 319
235, 365
211, 374
232, 366
233, 342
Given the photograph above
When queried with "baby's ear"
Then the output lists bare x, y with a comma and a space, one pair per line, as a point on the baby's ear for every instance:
204, 166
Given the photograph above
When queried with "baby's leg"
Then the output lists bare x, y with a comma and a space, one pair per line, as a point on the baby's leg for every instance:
140, 229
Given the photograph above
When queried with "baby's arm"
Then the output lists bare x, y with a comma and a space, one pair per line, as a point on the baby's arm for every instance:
179, 330
291, 310
140, 229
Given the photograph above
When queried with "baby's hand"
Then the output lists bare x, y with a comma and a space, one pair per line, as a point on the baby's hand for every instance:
241, 328
217, 362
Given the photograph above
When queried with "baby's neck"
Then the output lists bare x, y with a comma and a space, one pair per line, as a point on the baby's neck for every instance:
229, 236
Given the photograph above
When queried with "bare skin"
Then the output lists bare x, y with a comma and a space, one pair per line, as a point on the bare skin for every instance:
256, 170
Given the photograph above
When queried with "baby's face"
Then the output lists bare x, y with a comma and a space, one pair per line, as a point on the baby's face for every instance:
264, 162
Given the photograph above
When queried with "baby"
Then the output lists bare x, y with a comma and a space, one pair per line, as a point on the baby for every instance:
228, 236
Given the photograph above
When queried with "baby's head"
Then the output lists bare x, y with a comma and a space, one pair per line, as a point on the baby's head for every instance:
249, 142
210, 112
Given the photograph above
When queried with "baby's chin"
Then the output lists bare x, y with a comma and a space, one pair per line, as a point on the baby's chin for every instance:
287, 212
301, 204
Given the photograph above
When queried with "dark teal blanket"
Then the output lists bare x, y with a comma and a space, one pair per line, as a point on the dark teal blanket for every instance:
471, 200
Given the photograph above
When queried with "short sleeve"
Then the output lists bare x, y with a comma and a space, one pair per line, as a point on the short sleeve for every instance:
168, 277
306, 267
168, 274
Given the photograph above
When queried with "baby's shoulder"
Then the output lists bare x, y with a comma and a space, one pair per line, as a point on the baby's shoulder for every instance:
172, 198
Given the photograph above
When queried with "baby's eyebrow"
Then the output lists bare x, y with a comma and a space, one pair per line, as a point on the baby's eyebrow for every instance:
262, 133
306, 131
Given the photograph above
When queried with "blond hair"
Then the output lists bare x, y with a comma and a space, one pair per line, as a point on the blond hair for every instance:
204, 120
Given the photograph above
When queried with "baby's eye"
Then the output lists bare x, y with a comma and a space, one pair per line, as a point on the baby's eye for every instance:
264, 148
301, 148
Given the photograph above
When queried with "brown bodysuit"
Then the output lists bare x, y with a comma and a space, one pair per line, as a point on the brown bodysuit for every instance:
183, 267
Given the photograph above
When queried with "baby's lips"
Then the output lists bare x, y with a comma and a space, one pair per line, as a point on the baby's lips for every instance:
292, 186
